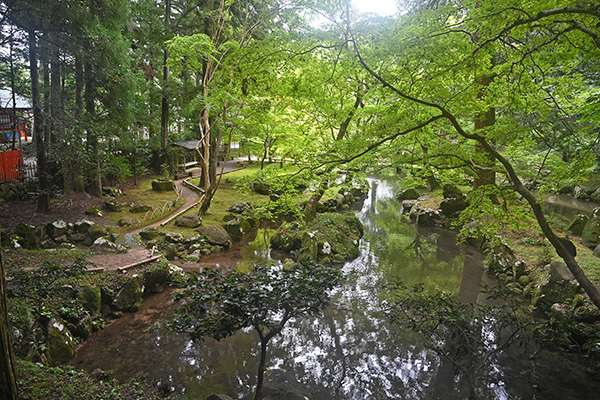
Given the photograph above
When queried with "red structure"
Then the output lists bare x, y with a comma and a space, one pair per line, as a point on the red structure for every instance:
11, 165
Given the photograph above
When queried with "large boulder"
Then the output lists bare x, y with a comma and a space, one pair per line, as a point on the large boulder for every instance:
57, 229
149, 233
577, 224
451, 190
500, 259
189, 221
30, 236
234, 229
555, 285
82, 226
428, 217
328, 237
139, 208
90, 298
261, 187
309, 249
452, 206
591, 231
216, 235
129, 298
60, 345
407, 194
162, 185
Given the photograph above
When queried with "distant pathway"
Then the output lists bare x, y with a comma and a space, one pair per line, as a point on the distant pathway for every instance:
137, 253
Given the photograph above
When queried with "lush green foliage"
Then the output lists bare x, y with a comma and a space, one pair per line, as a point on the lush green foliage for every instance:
217, 305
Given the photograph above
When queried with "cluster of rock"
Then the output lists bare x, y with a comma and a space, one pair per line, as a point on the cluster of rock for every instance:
329, 238
453, 204
60, 233
581, 193
51, 337
554, 291
207, 239
343, 200
588, 228
11, 190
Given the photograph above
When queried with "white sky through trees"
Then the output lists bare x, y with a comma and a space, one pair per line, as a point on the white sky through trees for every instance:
381, 7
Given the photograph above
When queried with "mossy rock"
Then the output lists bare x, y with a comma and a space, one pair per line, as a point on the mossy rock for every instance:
129, 298
95, 232
216, 235
128, 221
139, 208
577, 224
94, 211
555, 285
234, 229
341, 232
591, 231
149, 233
163, 185
113, 206
90, 299
60, 345
407, 194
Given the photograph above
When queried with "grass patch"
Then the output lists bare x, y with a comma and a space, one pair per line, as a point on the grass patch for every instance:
66, 383
162, 204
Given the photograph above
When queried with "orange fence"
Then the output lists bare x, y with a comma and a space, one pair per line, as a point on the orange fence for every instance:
11, 165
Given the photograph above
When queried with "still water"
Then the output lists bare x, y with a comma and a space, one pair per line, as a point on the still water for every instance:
349, 352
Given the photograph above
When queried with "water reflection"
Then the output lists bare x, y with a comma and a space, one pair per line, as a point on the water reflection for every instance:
350, 352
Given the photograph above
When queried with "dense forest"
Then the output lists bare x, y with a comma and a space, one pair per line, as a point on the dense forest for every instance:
500, 96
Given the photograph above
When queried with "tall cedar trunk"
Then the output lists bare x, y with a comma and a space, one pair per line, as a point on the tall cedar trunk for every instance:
45, 90
95, 181
8, 374
14, 100
56, 91
164, 115
485, 175
43, 205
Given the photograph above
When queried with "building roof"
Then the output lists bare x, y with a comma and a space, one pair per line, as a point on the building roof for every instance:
188, 144
6, 100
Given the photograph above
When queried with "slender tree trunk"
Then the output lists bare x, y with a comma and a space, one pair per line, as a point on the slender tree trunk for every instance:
164, 115
43, 205
486, 119
260, 378
8, 374
56, 91
14, 100
95, 179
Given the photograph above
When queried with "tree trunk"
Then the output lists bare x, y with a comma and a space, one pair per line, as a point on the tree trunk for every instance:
164, 115
8, 374
94, 179
485, 175
14, 100
310, 210
56, 91
43, 205
260, 378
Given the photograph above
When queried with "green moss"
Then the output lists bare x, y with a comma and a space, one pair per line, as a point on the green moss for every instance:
67, 383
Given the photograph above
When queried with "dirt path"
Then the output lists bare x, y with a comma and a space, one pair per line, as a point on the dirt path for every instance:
138, 254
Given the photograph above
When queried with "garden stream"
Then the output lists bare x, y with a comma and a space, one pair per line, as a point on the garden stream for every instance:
351, 351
